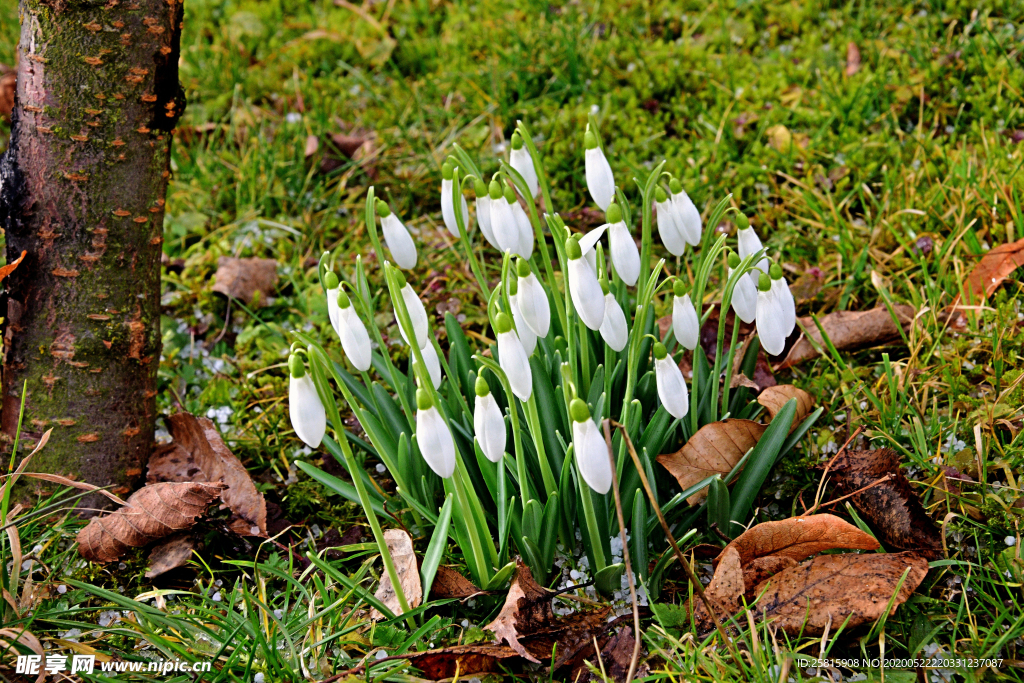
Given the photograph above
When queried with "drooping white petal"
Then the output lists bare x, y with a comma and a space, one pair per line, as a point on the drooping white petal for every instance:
489, 427
332, 307
744, 299
771, 323
750, 243
685, 325
448, 207
483, 217
589, 241
417, 315
504, 226
600, 181
354, 339
435, 441
534, 305
527, 336
671, 387
614, 329
513, 360
309, 420
432, 363
592, 455
521, 160
625, 255
785, 298
525, 231
586, 293
399, 241
668, 228
688, 218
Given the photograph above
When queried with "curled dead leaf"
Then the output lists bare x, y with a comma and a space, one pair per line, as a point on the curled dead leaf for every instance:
714, 449
527, 601
242, 278
448, 583
171, 553
724, 591
403, 556
850, 330
991, 271
461, 661
774, 398
761, 568
797, 538
153, 512
9, 268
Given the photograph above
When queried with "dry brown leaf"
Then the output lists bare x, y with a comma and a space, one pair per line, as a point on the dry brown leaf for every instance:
526, 601
151, 513
171, 553
759, 569
403, 556
199, 454
850, 330
774, 398
242, 278
80, 485
714, 449
616, 656
312, 145
994, 267
463, 661
892, 508
798, 538
356, 145
852, 58
724, 591
448, 583
9, 268
830, 588
8, 87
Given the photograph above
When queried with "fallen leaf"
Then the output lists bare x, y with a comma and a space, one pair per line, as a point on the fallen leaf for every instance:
993, 269
774, 398
714, 449
403, 556
171, 553
8, 88
527, 601
849, 330
312, 145
356, 145
242, 278
151, 513
760, 568
617, 655
798, 538
852, 58
9, 268
448, 583
807, 286
801, 600
783, 140
199, 454
724, 592
891, 508
462, 661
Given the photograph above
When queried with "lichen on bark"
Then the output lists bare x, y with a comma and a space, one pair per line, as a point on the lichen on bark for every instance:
84, 182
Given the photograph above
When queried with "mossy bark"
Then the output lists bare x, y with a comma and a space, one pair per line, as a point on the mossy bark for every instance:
84, 181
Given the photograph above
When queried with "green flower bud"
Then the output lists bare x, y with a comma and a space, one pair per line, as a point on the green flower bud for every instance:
517, 140
734, 259
510, 195
674, 186
481, 388
402, 282
589, 139
446, 170
343, 300
578, 410
513, 285
522, 267
494, 190
775, 272
678, 288
742, 222
572, 249
660, 351
502, 323
330, 280
764, 283
659, 194
295, 366
613, 214
423, 400
479, 188
383, 210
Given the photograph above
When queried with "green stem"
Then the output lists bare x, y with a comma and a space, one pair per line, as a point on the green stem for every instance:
729, 363
460, 221
533, 418
584, 360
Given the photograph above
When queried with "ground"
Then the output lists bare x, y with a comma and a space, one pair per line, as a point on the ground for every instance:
876, 147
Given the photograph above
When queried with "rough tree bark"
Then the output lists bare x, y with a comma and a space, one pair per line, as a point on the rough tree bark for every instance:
84, 181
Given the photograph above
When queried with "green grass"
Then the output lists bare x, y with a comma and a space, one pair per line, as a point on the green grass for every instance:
915, 144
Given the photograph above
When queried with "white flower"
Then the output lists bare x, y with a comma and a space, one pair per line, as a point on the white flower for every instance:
600, 181
350, 329
448, 202
433, 364
434, 437
309, 420
503, 221
671, 385
397, 237
417, 316
614, 329
749, 243
668, 223
584, 288
513, 359
488, 422
685, 324
687, 215
483, 217
526, 335
785, 297
588, 242
525, 230
590, 448
771, 318
533, 301
519, 158
622, 249
744, 297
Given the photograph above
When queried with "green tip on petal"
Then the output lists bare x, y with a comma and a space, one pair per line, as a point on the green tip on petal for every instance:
479, 188
423, 400
764, 283
734, 259
578, 410
659, 194
502, 323
678, 288
343, 300
589, 140
613, 214
523, 267
660, 351
517, 140
604, 286
675, 186
330, 280
513, 285
481, 388
742, 222
510, 195
295, 366
383, 210
572, 249
446, 170
775, 272
494, 190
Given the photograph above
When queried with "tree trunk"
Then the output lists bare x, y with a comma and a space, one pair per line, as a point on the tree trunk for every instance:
84, 181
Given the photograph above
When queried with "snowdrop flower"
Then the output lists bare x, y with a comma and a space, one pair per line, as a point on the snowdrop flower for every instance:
781, 290
309, 420
483, 212
687, 215
512, 358
600, 181
519, 158
622, 247
526, 335
668, 224
749, 243
771, 317
614, 329
397, 237
671, 385
584, 288
587, 243
525, 229
417, 314
350, 329
744, 295
433, 364
488, 422
685, 324
503, 221
448, 201
590, 448
533, 300
433, 436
